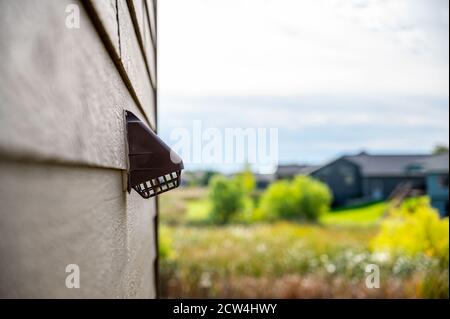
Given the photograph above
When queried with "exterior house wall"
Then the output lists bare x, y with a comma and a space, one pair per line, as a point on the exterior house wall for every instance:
437, 186
343, 178
62, 150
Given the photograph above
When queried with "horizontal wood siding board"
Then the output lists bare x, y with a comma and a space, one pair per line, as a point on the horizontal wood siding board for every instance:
62, 98
122, 62
107, 13
151, 6
133, 61
55, 215
155, 28
142, 28
150, 46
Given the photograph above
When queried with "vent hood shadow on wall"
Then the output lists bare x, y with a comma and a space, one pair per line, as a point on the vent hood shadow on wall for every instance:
153, 168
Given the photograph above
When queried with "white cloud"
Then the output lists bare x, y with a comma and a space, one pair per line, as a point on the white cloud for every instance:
293, 47
302, 113
335, 76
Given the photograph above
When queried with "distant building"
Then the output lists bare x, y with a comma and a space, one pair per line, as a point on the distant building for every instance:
263, 180
366, 177
437, 182
289, 171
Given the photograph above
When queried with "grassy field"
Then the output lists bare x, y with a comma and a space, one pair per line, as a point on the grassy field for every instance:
283, 259
191, 206
178, 205
363, 215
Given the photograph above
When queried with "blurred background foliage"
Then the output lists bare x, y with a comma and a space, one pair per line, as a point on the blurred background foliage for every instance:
228, 240
303, 198
414, 228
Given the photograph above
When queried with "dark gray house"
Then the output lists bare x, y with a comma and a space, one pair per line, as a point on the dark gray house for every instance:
289, 171
366, 177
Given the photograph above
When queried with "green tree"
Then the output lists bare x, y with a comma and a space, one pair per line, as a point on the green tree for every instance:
227, 198
440, 149
206, 177
302, 198
246, 180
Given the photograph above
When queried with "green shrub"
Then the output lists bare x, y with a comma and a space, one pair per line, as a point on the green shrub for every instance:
246, 180
227, 198
278, 201
414, 228
313, 197
303, 198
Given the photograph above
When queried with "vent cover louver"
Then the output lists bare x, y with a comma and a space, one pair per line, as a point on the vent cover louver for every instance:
153, 168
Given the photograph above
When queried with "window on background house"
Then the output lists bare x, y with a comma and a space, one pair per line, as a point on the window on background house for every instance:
348, 175
349, 180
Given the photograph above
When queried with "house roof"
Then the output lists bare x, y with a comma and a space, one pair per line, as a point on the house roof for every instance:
380, 165
438, 164
291, 170
399, 165
264, 178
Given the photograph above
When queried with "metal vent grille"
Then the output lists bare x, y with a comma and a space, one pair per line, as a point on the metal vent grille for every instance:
153, 168
158, 185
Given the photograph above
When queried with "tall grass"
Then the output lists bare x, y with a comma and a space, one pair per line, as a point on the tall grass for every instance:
289, 259
212, 261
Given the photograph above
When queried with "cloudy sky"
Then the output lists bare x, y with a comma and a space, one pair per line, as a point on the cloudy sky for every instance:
334, 76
